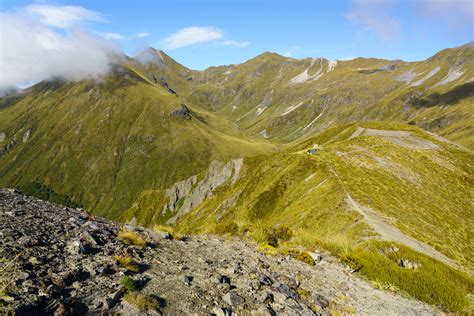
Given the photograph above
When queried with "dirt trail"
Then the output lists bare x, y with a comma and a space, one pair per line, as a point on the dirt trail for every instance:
390, 233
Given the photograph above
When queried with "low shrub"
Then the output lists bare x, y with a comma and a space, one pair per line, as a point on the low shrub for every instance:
129, 283
131, 238
143, 302
127, 263
226, 228
300, 255
432, 282
271, 235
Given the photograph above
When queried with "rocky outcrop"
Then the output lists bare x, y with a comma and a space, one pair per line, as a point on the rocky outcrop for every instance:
186, 195
63, 261
183, 113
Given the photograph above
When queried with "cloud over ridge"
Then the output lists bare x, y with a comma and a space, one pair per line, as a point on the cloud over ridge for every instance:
43, 41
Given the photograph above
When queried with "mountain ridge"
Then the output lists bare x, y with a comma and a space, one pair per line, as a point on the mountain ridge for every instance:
155, 141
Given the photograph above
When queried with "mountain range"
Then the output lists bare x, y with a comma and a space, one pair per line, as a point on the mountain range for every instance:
353, 156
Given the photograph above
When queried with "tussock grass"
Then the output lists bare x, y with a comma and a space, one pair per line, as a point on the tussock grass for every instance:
131, 238
433, 282
129, 283
143, 302
127, 263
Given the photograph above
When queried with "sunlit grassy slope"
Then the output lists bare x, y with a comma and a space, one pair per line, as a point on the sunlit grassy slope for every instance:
417, 183
103, 143
115, 147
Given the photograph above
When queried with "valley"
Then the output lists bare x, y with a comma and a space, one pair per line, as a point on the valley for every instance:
368, 159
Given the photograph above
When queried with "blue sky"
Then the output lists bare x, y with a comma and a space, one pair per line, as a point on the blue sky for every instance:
204, 33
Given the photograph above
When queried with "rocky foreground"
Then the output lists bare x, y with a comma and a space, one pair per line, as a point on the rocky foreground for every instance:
62, 261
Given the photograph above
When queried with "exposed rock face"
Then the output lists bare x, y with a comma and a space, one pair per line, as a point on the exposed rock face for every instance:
185, 195
183, 113
60, 261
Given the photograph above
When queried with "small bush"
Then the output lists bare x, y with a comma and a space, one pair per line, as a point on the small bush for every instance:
271, 235
300, 255
131, 238
282, 233
127, 263
267, 249
142, 301
129, 283
226, 228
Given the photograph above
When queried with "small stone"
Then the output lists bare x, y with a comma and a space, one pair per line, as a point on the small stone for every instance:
23, 275
188, 279
287, 291
224, 287
34, 261
112, 299
265, 280
75, 247
222, 279
7, 298
222, 311
316, 256
320, 300
233, 299
265, 297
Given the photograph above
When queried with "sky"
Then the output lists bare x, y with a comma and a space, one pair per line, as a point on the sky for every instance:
74, 38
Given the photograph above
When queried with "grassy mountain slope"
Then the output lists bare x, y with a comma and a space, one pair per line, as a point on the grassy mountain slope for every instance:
285, 99
308, 193
102, 143
161, 143
414, 183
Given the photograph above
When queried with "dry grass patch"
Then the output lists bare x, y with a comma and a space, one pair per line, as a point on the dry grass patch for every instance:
143, 302
127, 263
131, 238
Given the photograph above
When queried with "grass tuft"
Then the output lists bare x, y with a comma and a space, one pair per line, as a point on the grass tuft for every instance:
143, 302
127, 263
131, 238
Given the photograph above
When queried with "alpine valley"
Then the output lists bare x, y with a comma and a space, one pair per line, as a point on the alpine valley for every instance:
370, 161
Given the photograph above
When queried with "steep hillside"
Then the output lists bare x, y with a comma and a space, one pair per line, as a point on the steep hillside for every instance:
369, 187
101, 143
100, 267
285, 99
225, 150
415, 181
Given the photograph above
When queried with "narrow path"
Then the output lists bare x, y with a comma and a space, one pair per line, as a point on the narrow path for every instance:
390, 233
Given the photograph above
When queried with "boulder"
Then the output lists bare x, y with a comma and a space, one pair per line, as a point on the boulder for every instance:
233, 299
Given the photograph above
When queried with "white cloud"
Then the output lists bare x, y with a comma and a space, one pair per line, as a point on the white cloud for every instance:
191, 36
233, 43
371, 15
31, 50
63, 16
142, 35
111, 35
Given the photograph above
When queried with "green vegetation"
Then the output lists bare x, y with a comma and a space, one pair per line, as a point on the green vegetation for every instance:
143, 302
131, 238
114, 147
46, 193
300, 255
127, 263
129, 283
433, 282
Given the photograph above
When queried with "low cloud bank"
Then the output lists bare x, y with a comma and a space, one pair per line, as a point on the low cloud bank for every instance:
37, 47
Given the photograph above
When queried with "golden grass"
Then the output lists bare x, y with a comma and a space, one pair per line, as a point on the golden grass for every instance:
131, 238
143, 302
127, 263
